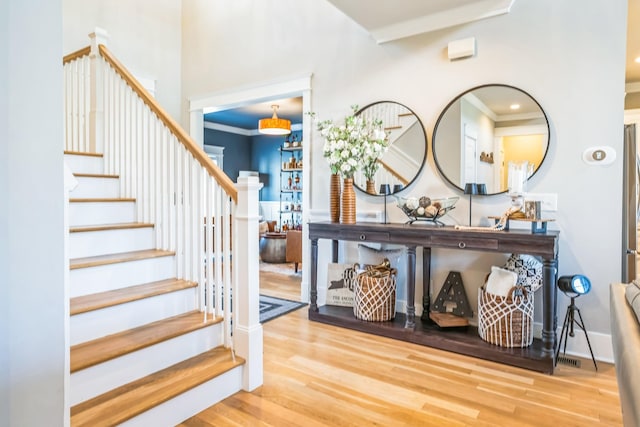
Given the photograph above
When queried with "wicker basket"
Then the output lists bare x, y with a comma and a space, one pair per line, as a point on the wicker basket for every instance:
374, 297
506, 321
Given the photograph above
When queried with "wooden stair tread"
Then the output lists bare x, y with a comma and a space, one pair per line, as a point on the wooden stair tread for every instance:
83, 153
94, 261
129, 400
86, 303
90, 353
103, 227
101, 199
95, 175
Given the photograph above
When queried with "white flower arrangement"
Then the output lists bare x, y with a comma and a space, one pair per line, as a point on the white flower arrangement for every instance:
354, 145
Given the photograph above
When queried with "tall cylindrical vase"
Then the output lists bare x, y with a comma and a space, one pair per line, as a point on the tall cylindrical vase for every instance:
371, 187
334, 197
348, 202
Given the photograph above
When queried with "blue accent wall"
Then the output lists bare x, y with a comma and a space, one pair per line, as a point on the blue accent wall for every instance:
237, 150
254, 153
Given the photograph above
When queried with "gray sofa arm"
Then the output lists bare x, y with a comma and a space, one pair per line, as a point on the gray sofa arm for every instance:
625, 337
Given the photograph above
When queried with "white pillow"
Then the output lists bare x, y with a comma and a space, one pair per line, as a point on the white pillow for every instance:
500, 281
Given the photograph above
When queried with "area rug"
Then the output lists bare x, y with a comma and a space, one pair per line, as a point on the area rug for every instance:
271, 307
285, 268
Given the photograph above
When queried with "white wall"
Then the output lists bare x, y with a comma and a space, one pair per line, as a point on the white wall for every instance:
568, 55
33, 351
145, 37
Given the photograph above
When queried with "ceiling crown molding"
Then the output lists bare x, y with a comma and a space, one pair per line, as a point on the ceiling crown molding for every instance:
431, 16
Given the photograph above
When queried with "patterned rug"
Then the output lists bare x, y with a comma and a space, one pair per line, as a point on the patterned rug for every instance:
271, 307
285, 268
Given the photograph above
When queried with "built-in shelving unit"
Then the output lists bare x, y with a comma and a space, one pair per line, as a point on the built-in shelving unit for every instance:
290, 213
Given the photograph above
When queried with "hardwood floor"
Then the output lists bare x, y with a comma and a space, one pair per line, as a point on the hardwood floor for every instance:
320, 375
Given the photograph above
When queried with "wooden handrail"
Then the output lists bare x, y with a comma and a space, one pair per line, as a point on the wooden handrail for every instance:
393, 172
77, 54
221, 178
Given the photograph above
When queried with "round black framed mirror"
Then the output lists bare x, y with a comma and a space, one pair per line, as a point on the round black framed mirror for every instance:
483, 129
401, 164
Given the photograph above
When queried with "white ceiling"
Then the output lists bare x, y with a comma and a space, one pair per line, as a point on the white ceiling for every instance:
392, 20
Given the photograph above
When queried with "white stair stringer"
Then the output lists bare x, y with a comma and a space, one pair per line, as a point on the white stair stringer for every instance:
191, 402
99, 242
95, 380
91, 280
101, 212
110, 320
79, 163
96, 186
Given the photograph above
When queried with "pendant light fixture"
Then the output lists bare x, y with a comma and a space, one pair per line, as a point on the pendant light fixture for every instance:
274, 125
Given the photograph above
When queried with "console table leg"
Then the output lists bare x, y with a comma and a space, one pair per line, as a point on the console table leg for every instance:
549, 304
334, 251
314, 275
426, 283
411, 287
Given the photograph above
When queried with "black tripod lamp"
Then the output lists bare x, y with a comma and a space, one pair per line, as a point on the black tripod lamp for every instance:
386, 190
573, 287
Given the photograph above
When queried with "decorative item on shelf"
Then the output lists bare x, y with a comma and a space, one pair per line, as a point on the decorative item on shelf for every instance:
425, 208
486, 157
374, 296
348, 148
385, 189
451, 307
518, 174
505, 310
334, 197
472, 188
371, 187
348, 208
274, 125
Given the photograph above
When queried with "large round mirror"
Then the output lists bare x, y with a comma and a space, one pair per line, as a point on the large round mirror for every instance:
484, 129
400, 165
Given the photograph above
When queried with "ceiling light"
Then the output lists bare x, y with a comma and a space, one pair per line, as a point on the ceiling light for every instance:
274, 125
514, 106
637, 59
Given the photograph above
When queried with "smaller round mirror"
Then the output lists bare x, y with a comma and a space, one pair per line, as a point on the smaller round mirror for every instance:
400, 165
484, 129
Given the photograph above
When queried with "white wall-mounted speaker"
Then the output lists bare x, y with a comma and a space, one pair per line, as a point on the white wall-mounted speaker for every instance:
603, 155
463, 48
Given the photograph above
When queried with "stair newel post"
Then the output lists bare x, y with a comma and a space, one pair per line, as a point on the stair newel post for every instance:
247, 330
96, 85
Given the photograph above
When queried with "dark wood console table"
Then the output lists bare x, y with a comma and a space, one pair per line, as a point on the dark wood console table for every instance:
539, 356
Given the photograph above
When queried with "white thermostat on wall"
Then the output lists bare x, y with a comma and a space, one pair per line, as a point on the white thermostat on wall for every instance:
603, 155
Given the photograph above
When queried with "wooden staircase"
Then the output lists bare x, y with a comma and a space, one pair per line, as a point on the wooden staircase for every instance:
141, 351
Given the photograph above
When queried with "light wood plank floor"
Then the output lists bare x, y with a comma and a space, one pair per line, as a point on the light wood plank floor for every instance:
320, 375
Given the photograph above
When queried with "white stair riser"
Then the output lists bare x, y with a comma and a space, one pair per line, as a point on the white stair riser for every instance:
99, 323
84, 281
191, 402
92, 243
96, 187
92, 213
84, 164
93, 381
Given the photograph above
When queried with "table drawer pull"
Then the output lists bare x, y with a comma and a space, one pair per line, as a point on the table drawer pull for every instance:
363, 237
462, 245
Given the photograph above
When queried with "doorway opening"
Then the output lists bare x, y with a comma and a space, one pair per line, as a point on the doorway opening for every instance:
229, 121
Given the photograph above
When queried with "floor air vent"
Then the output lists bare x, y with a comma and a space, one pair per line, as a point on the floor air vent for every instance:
569, 361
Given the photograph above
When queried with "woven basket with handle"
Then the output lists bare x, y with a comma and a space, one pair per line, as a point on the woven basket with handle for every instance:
506, 321
374, 295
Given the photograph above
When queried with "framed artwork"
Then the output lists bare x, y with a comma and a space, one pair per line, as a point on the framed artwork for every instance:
340, 281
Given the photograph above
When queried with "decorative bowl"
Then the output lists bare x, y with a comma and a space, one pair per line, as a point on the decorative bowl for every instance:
426, 209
